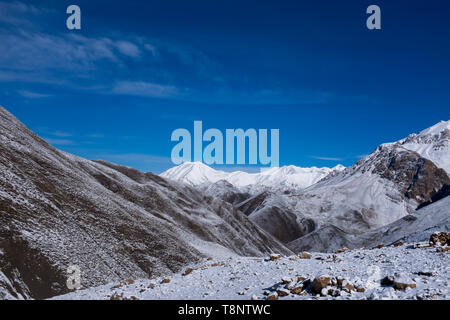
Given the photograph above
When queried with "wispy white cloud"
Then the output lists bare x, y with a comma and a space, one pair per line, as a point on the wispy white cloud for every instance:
18, 13
327, 158
46, 131
225, 95
60, 142
29, 51
32, 95
128, 49
78, 62
134, 157
145, 89
95, 135
61, 134
145, 162
151, 48
30, 77
138, 160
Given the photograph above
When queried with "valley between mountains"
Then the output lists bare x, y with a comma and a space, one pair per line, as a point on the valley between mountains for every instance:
193, 232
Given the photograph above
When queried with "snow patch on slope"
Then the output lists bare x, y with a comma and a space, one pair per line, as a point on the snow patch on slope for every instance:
432, 143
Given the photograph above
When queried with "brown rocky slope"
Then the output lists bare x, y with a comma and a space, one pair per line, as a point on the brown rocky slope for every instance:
114, 222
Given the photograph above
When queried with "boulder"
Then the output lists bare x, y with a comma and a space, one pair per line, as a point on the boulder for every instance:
128, 282
274, 257
320, 283
335, 292
289, 286
297, 289
283, 292
342, 250
188, 271
286, 280
426, 273
334, 282
402, 281
305, 255
387, 281
440, 239
347, 286
272, 296
116, 296
402, 286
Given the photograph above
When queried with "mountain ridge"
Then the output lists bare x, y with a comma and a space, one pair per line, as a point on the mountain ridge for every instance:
198, 174
113, 222
386, 185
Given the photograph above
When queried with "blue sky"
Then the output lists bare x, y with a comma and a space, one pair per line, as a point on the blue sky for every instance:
138, 70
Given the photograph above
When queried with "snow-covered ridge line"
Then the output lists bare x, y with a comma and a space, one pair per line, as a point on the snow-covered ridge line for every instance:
432, 143
197, 173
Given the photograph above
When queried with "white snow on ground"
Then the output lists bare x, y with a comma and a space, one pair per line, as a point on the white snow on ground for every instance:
197, 173
239, 278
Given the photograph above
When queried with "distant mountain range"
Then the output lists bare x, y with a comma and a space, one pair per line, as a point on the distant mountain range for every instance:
291, 202
288, 177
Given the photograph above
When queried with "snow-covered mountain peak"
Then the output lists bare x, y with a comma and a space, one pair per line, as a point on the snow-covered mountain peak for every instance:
438, 128
196, 166
432, 143
440, 131
292, 177
194, 173
339, 167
